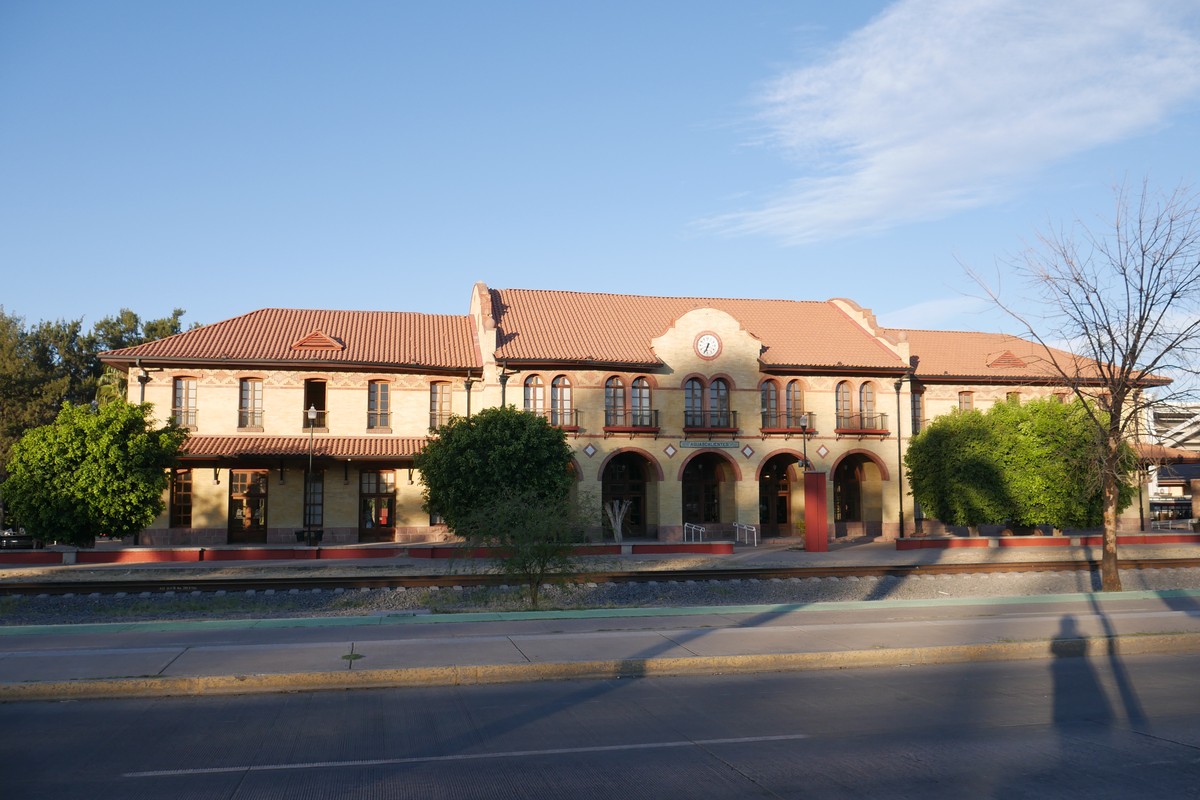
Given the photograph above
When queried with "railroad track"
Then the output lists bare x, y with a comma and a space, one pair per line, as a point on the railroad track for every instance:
192, 583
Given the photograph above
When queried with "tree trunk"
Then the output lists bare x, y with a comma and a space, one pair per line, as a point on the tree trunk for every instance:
1110, 574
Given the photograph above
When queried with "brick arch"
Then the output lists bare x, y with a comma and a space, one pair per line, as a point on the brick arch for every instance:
654, 465
873, 457
787, 451
737, 471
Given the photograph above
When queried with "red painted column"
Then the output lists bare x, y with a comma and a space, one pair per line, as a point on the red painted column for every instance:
816, 516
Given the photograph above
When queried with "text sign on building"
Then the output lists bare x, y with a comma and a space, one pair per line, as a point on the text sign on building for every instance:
725, 445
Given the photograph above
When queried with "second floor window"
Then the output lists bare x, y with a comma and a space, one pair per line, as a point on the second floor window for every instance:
535, 395
439, 404
643, 415
693, 403
561, 411
250, 403
614, 402
796, 416
183, 408
718, 403
770, 404
379, 405
966, 401
866, 401
842, 399
314, 398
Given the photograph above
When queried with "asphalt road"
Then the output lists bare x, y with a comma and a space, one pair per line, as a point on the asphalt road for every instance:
1061, 728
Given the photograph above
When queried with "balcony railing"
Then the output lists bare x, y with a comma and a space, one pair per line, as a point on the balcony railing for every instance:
319, 422
622, 420
184, 417
437, 419
862, 423
566, 418
250, 418
719, 420
782, 421
379, 419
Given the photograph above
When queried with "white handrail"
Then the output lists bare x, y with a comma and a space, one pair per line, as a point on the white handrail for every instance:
691, 529
745, 532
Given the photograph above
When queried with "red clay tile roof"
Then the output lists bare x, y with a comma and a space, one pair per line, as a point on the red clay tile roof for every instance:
347, 447
994, 356
541, 325
365, 338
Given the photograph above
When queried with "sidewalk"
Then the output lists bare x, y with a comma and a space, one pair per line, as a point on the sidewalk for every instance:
249, 656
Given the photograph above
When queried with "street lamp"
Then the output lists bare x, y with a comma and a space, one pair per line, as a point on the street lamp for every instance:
308, 488
908, 376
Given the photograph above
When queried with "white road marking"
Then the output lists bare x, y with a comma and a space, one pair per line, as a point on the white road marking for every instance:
376, 762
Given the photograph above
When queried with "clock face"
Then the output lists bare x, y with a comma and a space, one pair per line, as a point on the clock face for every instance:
708, 345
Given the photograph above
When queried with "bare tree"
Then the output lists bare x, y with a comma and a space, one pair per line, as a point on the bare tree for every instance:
1119, 312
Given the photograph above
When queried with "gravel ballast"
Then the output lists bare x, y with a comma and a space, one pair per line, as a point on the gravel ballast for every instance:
93, 608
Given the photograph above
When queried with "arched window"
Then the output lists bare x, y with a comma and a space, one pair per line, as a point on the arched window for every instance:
693, 403
643, 415
561, 412
867, 401
614, 402
842, 398
718, 403
535, 395
770, 404
796, 418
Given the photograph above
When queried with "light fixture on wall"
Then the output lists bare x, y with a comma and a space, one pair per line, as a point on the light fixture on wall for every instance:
216, 476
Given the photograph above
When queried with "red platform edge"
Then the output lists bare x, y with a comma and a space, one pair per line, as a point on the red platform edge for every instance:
1095, 540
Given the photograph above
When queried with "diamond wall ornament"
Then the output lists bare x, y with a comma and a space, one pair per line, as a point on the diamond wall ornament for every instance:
670, 451
747, 451
822, 451
590, 450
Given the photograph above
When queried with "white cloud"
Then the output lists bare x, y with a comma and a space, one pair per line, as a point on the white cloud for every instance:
937, 106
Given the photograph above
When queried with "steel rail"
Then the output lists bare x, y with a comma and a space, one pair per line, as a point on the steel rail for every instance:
180, 584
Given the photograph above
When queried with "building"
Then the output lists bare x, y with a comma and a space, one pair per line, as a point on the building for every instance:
696, 410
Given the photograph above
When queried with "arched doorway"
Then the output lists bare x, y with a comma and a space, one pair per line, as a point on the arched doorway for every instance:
775, 506
707, 490
625, 478
857, 497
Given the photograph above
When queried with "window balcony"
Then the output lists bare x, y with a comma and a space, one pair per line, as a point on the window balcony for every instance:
793, 424
184, 417
710, 423
565, 418
250, 419
862, 425
320, 423
380, 421
437, 419
624, 421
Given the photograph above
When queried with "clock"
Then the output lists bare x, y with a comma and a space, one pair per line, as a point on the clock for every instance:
708, 345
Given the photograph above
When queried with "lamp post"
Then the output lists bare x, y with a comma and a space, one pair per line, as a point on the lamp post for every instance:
900, 449
312, 427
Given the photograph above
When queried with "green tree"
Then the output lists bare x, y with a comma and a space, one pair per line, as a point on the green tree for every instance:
471, 460
1031, 464
91, 472
954, 473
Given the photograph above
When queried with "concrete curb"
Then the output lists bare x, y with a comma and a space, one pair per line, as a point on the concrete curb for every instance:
1096, 648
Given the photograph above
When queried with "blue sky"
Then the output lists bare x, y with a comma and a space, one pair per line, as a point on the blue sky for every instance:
227, 156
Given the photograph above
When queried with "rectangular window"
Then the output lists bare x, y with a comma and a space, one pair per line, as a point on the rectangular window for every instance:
250, 404
181, 498
1013, 397
966, 401
439, 404
183, 408
379, 405
314, 400
377, 503
314, 501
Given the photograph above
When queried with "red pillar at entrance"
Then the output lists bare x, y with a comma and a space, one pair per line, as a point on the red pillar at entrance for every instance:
816, 519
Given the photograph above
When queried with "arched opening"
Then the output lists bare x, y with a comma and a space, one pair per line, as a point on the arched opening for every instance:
628, 477
708, 484
857, 497
777, 509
